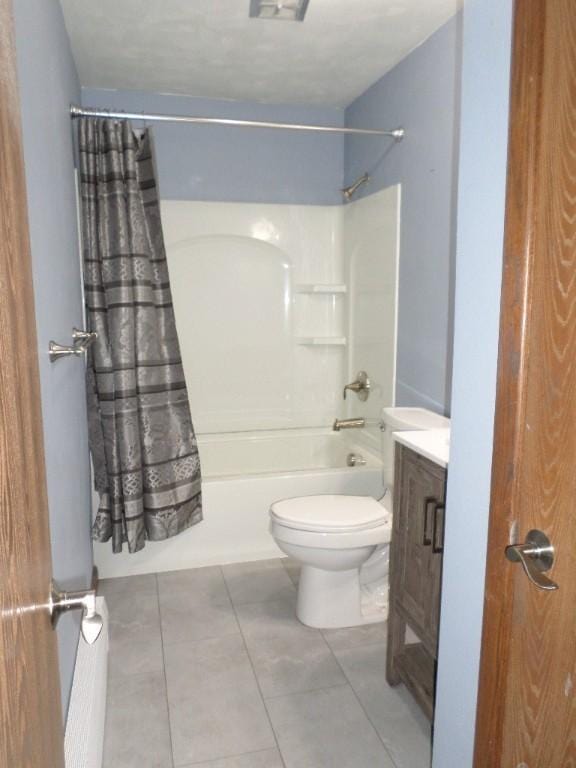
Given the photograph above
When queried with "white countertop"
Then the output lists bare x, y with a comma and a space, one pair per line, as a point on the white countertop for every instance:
434, 444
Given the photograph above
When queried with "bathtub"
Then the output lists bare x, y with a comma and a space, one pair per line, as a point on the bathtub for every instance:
242, 474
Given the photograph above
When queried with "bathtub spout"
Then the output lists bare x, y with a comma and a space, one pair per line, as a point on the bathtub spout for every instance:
348, 424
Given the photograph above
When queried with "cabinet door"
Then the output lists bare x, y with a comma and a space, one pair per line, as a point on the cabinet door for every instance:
416, 582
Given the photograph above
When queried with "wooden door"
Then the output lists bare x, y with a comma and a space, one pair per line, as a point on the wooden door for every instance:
410, 568
30, 709
416, 568
527, 699
415, 575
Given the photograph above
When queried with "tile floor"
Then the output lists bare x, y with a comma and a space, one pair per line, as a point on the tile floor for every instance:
210, 668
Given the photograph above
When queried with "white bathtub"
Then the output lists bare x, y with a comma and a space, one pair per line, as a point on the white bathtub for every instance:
243, 473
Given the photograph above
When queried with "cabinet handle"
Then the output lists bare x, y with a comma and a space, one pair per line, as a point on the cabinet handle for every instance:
426, 539
438, 547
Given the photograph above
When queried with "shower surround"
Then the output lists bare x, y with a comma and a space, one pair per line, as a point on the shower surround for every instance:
277, 307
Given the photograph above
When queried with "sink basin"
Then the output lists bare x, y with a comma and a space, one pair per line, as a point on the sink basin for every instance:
432, 443
414, 418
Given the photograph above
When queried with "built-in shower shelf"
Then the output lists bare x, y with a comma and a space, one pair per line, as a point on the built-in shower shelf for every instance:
321, 288
322, 341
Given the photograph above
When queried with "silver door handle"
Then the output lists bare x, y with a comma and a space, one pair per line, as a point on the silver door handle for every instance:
84, 599
536, 556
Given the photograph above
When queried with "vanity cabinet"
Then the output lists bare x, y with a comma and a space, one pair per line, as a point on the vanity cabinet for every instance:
415, 574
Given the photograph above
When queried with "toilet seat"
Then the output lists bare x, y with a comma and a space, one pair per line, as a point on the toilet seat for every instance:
330, 513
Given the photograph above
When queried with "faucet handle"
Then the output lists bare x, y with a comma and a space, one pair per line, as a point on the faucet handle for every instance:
354, 387
361, 385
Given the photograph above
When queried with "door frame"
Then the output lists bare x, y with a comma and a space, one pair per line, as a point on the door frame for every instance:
486, 46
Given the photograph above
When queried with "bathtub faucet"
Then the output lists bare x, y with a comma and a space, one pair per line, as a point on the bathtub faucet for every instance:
348, 424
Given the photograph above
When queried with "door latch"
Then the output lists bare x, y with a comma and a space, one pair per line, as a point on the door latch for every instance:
536, 556
84, 599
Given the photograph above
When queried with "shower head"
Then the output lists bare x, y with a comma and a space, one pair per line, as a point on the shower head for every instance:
348, 192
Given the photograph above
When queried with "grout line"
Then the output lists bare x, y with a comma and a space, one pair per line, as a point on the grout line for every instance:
164, 672
229, 757
264, 602
394, 763
254, 671
308, 690
352, 647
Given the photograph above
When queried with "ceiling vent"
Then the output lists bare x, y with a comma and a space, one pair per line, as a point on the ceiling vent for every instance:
283, 10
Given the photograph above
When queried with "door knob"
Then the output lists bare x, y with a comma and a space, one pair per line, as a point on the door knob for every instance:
84, 599
536, 556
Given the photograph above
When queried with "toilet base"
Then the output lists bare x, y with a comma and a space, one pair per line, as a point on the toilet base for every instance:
334, 600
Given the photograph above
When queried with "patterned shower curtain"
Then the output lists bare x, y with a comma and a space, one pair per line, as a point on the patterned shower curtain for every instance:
147, 469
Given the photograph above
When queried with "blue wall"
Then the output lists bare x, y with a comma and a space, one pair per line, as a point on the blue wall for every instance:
235, 164
484, 132
48, 84
421, 94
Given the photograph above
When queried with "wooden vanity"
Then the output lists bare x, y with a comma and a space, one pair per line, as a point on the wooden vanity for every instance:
415, 573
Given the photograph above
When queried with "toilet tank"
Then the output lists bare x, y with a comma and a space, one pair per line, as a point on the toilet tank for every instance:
402, 420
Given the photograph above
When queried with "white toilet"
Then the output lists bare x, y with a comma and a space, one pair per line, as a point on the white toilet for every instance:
342, 541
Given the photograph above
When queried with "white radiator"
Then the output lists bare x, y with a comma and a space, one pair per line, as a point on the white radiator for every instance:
84, 739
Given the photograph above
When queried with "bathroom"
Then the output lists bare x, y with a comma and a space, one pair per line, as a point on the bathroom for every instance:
313, 278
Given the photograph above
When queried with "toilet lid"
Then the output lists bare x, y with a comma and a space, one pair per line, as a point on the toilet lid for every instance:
330, 513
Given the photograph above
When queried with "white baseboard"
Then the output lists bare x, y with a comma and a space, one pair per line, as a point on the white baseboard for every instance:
84, 739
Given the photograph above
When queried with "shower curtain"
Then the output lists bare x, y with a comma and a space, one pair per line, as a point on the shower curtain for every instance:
144, 452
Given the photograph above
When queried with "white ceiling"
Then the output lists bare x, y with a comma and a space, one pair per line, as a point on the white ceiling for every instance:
211, 48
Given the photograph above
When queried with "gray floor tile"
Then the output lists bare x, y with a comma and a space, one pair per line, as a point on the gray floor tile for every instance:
326, 729
202, 586
218, 719
273, 617
396, 716
215, 706
137, 732
269, 758
133, 584
287, 656
258, 581
135, 639
195, 605
182, 622
352, 637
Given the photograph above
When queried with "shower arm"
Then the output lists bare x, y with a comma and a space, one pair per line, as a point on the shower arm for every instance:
348, 192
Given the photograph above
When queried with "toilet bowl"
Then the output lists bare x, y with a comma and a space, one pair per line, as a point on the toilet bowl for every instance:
342, 542
331, 537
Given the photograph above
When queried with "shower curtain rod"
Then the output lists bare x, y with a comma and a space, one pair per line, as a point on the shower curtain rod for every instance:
76, 111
